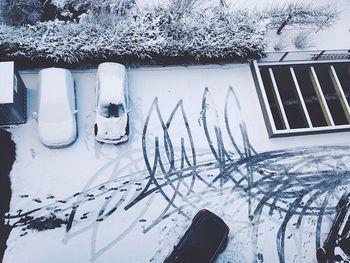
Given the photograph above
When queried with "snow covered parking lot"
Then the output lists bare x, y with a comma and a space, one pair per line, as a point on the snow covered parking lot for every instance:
195, 135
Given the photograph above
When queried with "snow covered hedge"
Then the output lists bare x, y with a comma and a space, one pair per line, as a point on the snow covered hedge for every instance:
145, 34
183, 30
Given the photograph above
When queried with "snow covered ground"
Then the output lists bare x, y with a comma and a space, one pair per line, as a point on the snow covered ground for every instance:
336, 37
132, 202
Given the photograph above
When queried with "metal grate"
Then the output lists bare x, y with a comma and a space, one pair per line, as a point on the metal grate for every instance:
304, 97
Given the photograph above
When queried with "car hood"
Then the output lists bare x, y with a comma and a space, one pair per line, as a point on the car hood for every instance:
111, 128
57, 133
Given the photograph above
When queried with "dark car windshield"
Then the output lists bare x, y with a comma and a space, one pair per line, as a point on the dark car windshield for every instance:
202, 243
112, 110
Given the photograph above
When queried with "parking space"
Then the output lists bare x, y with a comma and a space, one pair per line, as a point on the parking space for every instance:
197, 139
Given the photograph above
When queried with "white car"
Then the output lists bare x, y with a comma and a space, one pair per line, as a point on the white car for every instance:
57, 112
112, 121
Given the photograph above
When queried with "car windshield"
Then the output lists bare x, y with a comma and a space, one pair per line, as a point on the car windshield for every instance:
112, 110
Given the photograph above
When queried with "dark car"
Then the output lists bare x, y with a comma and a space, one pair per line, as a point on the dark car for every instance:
203, 241
336, 248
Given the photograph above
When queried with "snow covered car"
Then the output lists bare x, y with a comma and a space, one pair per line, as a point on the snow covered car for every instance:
336, 248
203, 241
57, 113
112, 120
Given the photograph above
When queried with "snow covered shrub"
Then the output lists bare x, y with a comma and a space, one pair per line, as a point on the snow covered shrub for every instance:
90, 30
20, 12
280, 44
66, 9
144, 34
318, 16
221, 33
179, 7
302, 40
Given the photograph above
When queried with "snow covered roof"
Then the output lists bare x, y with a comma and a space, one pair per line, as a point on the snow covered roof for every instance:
52, 81
6, 82
55, 84
112, 69
112, 78
112, 90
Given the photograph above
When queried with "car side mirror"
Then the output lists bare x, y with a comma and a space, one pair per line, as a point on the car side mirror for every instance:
75, 111
35, 115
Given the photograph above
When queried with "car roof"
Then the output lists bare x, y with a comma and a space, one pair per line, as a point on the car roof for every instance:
111, 69
51, 82
111, 77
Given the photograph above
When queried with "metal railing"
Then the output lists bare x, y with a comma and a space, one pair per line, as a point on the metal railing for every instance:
309, 55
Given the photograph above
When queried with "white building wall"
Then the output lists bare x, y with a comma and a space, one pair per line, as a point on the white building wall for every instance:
6, 82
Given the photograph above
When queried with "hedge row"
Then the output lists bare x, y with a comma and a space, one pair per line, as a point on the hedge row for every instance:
145, 34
